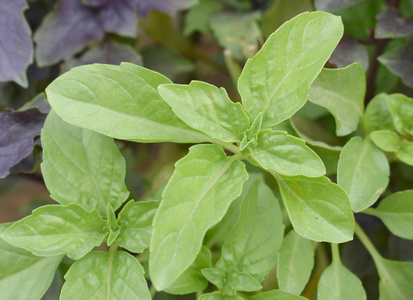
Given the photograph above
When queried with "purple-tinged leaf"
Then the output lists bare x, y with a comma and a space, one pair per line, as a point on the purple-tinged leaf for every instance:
333, 5
144, 7
400, 62
391, 24
349, 51
16, 136
65, 31
16, 47
95, 3
118, 17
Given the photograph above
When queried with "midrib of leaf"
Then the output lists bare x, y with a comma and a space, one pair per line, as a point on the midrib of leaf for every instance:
111, 256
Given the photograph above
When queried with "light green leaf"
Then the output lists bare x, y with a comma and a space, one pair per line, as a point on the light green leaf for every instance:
377, 115
119, 101
192, 280
135, 222
249, 248
341, 92
287, 155
81, 166
105, 275
396, 212
197, 196
386, 140
401, 108
54, 229
276, 295
23, 275
111, 226
363, 172
276, 81
395, 279
337, 282
405, 152
295, 263
218, 296
318, 209
207, 108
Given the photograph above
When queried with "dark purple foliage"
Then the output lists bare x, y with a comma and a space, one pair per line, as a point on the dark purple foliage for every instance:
144, 7
16, 47
95, 3
333, 5
349, 51
119, 17
18, 129
391, 24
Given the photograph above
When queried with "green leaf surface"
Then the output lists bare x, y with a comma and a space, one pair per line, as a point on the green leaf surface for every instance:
207, 108
395, 279
119, 101
252, 245
135, 222
81, 166
204, 184
276, 295
218, 296
192, 280
54, 229
276, 81
377, 115
287, 155
401, 108
396, 212
318, 209
363, 172
405, 152
23, 275
386, 140
341, 92
295, 263
105, 275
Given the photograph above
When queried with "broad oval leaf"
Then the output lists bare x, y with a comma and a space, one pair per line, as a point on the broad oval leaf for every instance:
119, 101
103, 275
207, 108
377, 115
401, 108
287, 155
135, 222
318, 209
386, 140
276, 81
197, 196
363, 172
295, 263
341, 92
81, 166
23, 275
395, 279
252, 244
405, 152
54, 229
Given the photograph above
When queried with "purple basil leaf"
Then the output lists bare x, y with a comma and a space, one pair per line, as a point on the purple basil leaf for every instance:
144, 7
17, 131
118, 17
400, 62
95, 3
65, 31
333, 5
349, 51
391, 24
40, 102
16, 47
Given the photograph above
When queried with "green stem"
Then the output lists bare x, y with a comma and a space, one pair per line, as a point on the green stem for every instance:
368, 244
112, 249
369, 211
335, 253
231, 147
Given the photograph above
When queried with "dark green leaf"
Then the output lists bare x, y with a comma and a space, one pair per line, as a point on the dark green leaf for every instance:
197, 18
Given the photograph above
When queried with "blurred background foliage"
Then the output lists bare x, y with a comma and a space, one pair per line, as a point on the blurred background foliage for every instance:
208, 40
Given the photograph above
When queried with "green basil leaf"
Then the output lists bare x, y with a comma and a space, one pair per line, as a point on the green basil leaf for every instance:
54, 229
341, 92
276, 295
276, 81
207, 108
119, 101
386, 140
287, 155
218, 296
248, 248
295, 263
396, 212
318, 209
104, 275
192, 280
395, 279
377, 115
401, 108
81, 166
363, 172
217, 276
405, 152
23, 275
204, 184
229, 281
243, 282
135, 222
